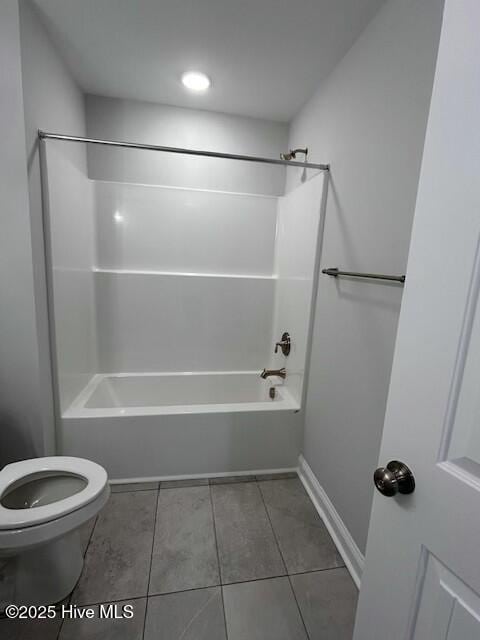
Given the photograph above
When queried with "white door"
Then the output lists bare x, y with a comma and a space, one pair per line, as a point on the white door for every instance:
422, 575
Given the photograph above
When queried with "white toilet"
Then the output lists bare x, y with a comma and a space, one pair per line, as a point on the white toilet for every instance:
43, 503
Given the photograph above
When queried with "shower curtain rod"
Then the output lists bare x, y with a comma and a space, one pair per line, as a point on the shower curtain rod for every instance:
44, 135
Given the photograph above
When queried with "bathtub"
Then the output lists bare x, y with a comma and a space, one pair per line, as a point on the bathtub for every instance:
150, 426
175, 393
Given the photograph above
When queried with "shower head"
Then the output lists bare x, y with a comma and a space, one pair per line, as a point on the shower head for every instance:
293, 154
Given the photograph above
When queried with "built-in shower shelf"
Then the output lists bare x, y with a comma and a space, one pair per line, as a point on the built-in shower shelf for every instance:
196, 274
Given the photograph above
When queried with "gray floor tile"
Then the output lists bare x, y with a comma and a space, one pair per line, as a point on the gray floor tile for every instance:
7, 582
107, 628
29, 629
189, 615
118, 557
176, 484
184, 553
277, 476
86, 533
327, 600
246, 545
134, 486
232, 479
262, 610
304, 540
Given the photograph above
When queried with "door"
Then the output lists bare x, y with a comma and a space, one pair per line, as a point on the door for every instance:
422, 575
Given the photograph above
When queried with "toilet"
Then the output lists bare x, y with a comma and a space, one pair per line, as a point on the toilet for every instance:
43, 504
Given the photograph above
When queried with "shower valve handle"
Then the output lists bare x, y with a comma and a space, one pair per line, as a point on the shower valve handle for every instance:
284, 345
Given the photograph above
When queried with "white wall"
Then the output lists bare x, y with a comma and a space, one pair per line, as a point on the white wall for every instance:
54, 102
150, 123
21, 411
368, 120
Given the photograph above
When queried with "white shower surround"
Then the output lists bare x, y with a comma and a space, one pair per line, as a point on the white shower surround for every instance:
184, 278
173, 288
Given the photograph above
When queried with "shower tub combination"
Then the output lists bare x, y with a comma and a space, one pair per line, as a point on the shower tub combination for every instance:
195, 281
156, 425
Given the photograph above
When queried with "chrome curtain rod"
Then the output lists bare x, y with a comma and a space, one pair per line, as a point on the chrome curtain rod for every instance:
44, 135
356, 274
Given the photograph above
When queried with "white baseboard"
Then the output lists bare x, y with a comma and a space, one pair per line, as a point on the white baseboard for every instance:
351, 554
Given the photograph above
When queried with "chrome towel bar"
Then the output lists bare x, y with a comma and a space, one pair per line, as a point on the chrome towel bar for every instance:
356, 274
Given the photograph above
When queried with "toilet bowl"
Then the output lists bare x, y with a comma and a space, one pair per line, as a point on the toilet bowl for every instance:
43, 503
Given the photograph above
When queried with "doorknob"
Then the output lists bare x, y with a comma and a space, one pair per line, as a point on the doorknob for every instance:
395, 478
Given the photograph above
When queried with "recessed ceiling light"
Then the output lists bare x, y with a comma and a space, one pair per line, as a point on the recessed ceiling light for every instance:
195, 80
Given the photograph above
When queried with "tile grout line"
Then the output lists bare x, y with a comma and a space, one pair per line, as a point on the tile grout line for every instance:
273, 530
218, 559
210, 586
298, 607
209, 482
286, 568
303, 573
60, 629
88, 543
114, 493
86, 605
69, 600
153, 595
151, 559
71, 593
226, 584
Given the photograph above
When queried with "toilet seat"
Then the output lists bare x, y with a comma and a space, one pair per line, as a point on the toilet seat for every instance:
94, 475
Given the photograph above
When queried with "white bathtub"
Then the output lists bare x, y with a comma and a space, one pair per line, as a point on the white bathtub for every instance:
173, 393
162, 425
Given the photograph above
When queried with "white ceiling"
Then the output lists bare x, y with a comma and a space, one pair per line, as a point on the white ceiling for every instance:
265, 57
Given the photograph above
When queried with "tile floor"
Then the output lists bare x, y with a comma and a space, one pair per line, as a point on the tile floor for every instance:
242, 558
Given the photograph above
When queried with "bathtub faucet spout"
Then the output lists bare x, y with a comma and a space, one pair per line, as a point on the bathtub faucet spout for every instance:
281, 373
